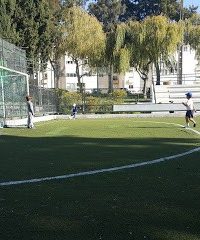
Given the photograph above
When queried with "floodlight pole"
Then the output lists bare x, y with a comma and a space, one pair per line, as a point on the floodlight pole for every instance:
180, 51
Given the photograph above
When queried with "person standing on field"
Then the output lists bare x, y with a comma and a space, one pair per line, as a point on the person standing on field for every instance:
74, 111
30, 112
189, 110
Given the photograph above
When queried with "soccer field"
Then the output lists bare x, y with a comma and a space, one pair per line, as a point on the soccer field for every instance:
151, 201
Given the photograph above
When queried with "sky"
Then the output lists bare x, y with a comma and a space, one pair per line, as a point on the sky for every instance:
186, 3
192, 2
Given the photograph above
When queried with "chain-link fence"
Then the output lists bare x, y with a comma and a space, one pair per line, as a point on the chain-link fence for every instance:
13, 89
13, 81
44, 100
97, 100
12, 57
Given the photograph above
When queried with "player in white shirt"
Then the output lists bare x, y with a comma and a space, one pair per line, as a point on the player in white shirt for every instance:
189, 110
30, 112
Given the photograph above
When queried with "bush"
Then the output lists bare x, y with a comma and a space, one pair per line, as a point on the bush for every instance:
119, 95
93, 104
67, 99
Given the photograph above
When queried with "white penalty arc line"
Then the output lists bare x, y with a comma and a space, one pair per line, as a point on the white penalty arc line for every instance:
93, 172
176, 124
36, 180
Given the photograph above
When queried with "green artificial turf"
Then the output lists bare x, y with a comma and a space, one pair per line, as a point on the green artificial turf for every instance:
158, 202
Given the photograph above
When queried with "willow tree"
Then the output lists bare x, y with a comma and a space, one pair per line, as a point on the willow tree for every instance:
83, 38
109, 12
139, 56
149, 41
116, 58
154, 39
161, 39
192, 32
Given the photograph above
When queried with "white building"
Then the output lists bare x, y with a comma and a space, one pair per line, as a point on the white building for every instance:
190, 68
131, 80
68, 79
45, 78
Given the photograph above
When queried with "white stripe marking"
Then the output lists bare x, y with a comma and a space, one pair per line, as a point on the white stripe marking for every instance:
93, 172
100, 170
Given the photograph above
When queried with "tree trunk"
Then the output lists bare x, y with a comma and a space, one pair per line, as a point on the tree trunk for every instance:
78, 76
110, 79
157, 73
55, 67
144, 90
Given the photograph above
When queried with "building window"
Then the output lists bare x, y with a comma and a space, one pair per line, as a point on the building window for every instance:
69, 62
130, 86
70, 74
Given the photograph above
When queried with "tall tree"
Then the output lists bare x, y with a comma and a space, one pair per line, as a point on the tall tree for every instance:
153, 39
192, 32
139, 57
116, 56
162, 37
35, 25
139, 9
108, 12
56, 9
83, 38
71, 3
7, 23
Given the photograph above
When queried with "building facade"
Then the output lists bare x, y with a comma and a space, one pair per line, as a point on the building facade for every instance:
131, 80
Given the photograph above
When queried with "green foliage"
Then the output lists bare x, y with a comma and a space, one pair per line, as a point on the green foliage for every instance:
123, 60
118, 95
99, 104
71, 3
107, 12
152, 39
162, 37
93, 104
141, 9
83, 36
35, 24
30, 24
116, 56
67, 99
192, 32
7, 21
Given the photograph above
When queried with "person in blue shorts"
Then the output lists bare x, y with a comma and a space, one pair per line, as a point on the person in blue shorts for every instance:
189, 116
74, 111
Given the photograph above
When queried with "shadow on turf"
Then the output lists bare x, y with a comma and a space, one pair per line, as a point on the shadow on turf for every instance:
31, 157
125, 207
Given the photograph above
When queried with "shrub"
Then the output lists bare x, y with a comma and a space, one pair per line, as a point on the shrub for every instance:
67, 99
118, 95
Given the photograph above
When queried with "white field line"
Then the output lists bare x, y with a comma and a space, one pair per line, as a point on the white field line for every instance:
176, 124
93, 172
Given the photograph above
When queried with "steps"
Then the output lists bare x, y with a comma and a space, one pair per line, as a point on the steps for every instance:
176, 93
